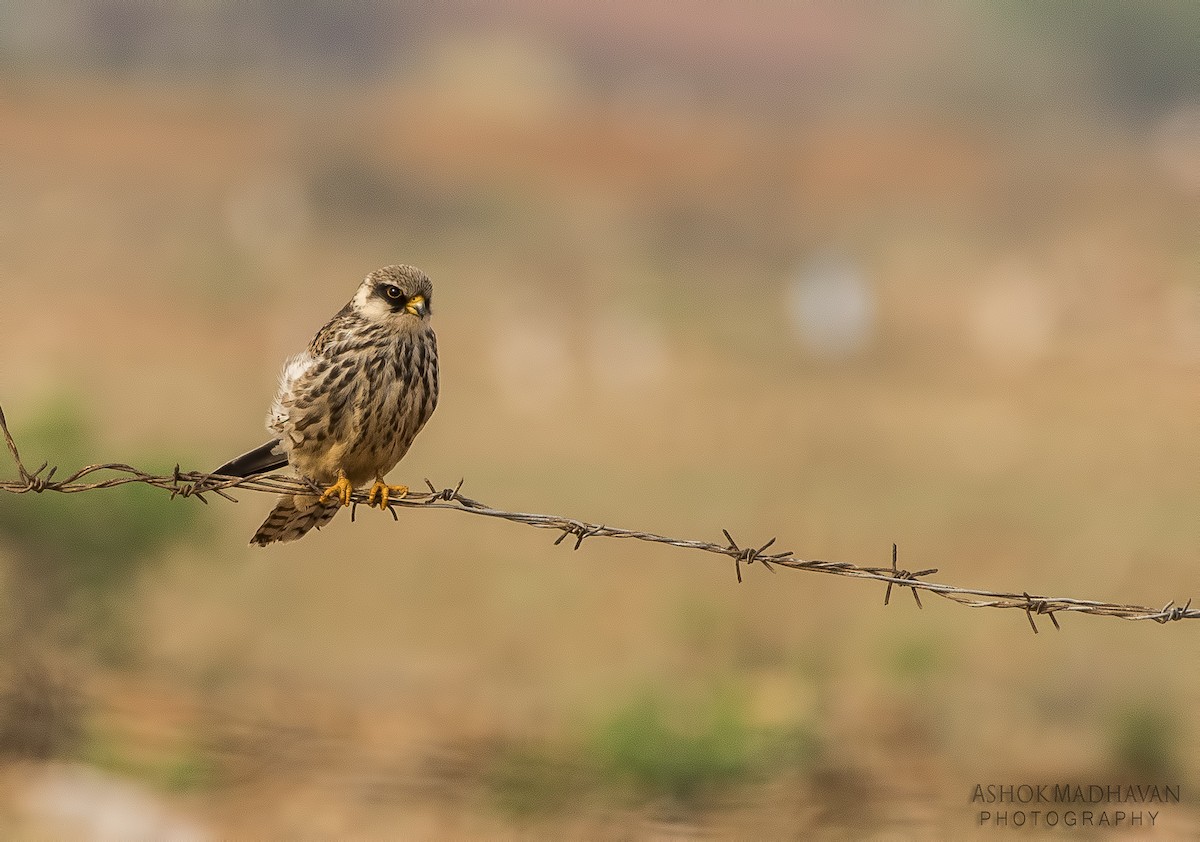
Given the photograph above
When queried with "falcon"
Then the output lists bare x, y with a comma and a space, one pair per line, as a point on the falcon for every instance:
350, 405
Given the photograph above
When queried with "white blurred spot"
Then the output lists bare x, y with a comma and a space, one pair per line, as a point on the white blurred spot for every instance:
1013, 318
1177, 146
83, 803
627, 354
531, 364
832, 304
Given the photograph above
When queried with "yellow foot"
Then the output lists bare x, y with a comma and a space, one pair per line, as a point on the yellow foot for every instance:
384, 491
342, 489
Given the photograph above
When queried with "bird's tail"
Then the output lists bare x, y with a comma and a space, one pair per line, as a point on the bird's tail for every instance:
293, 516
261, 459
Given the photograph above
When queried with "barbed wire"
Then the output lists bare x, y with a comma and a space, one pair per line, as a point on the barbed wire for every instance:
198, 483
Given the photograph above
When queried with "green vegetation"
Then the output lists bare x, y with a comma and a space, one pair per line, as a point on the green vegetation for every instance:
663, 747
186, 769
658, 747
916, 660
1143, 738
88, 544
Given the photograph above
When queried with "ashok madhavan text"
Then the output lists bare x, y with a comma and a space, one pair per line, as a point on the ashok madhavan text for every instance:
1075, 794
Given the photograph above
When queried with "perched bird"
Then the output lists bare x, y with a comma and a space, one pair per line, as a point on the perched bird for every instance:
350, 405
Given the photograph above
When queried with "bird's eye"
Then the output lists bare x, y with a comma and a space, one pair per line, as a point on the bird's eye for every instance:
393, 292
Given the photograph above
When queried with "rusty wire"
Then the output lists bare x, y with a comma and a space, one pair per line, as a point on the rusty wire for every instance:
198, 483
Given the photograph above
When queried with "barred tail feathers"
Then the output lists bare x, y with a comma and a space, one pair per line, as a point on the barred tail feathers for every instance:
293, 516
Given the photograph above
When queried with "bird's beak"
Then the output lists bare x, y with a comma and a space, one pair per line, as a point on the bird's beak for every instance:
416, 306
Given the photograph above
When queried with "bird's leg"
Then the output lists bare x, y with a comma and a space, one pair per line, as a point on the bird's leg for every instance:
384, 491
342, 489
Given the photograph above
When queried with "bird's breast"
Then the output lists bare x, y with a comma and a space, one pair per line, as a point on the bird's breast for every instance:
362, 404
399, 396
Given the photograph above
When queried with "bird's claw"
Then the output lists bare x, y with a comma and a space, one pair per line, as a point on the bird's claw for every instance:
342, 489
384, 492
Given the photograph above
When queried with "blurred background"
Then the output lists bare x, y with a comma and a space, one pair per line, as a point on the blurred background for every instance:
845, 274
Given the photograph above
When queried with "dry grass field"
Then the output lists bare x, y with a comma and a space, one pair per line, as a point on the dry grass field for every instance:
977, 337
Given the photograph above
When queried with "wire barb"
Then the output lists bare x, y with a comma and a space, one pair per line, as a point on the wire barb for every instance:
181, 483
906, 579
749, 555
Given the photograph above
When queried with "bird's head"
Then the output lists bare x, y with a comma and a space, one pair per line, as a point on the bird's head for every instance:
399, 295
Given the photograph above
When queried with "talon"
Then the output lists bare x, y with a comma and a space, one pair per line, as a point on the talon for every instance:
384, 492
342, 489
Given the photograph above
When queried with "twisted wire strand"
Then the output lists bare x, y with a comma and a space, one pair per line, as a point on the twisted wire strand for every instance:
197, 484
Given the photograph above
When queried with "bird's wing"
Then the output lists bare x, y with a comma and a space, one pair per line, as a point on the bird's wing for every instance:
268, 457
342, 319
